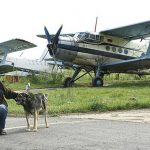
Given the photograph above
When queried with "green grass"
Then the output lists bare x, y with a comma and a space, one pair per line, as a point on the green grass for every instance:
115, 95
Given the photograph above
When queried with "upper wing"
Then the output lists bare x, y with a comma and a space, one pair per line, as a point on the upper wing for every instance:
15, 45
128, 65
131, 32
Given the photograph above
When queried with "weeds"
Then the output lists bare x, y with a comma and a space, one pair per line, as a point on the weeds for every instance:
119, 94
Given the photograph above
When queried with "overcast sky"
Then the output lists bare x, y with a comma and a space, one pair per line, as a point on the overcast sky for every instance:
26, 18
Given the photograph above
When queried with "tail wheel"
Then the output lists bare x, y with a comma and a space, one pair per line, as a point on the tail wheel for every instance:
68, 82
97, 82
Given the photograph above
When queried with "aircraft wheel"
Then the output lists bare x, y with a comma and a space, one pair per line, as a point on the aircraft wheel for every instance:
97, 82
67, 82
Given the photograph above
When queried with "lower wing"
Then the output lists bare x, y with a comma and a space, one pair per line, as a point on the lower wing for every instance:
127, 65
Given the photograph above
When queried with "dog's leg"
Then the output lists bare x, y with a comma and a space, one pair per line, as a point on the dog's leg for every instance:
37, 116
35, 120
46, 118
45, 111
28, 123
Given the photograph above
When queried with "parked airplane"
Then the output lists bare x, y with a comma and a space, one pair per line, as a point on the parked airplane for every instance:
119, 50
29, 66
21, 66
9, 47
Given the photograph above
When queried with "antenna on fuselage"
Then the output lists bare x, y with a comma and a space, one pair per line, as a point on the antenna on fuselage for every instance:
96, 24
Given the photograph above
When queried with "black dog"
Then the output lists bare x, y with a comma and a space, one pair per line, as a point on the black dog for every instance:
32, 104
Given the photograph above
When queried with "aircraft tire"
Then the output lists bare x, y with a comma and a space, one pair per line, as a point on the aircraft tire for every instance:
97, 82
67, 82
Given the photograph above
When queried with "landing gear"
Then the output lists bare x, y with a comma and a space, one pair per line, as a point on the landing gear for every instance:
97, 82
68, 82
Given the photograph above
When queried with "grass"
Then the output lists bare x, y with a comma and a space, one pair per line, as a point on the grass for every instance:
115, 95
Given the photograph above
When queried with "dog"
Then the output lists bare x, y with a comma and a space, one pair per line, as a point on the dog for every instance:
32, 104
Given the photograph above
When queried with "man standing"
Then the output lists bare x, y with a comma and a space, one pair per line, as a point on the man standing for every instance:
3, 113
9, 94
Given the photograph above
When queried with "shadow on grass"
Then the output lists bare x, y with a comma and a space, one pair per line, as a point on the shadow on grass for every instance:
129, 84
117, 84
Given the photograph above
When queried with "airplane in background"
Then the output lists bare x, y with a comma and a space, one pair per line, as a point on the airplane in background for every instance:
120, 50
8, 47
23, 66
10, 64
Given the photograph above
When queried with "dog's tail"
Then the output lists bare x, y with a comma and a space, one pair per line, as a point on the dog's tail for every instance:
45, 100
46, 97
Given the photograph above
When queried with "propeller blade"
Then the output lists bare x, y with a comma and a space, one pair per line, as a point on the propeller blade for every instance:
48, 36
57, 35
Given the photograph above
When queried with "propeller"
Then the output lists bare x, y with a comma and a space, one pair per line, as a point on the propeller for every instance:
53, 43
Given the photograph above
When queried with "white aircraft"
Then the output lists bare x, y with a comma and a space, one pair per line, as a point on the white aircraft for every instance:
29, 66
10, 64
120, 50
9, 47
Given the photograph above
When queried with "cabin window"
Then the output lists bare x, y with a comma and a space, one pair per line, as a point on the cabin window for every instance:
113, 49
120, 50
126, 51
107, 48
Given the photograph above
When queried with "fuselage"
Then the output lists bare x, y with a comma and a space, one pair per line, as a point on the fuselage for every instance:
90, 49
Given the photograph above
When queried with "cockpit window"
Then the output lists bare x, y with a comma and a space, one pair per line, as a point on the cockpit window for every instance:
86, 36
82, 35
97, 37
92, 36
